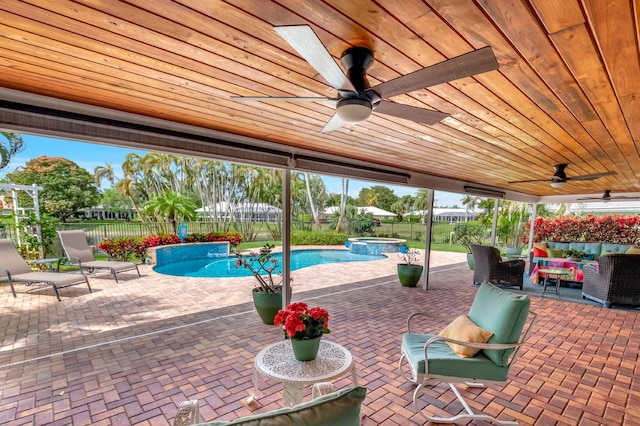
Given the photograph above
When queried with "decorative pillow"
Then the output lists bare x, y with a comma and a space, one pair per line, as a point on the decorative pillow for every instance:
555, 252
465, 330
541, 246
633, 250
338, 408
538, 252
606, 252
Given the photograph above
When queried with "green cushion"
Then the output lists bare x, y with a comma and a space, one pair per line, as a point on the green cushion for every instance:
443, 361
502, 312
555, 252
338, 408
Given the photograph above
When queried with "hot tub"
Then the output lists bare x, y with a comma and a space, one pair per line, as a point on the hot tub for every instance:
374, 245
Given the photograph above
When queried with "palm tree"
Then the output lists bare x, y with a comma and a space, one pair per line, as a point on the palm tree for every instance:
343, 203
104, 172
15, 145
421, 202
172, 206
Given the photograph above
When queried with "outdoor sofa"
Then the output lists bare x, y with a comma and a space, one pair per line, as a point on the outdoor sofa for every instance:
556, 249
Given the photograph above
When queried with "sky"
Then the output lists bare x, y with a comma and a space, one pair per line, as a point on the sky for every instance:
91, 155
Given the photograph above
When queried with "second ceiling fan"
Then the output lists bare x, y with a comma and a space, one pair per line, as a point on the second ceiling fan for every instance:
560, 178
356, 98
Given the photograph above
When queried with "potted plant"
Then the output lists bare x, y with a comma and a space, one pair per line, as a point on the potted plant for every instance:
409, 272
267, 294
305, 327
574, 254
466, 234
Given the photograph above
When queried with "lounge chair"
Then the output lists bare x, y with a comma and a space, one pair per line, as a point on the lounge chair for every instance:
14, 268
489, 267
476, 348
79, 253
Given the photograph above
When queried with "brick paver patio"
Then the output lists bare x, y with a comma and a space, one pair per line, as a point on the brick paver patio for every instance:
129, 353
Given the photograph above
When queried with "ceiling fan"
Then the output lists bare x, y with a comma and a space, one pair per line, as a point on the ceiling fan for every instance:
560, 178
356, 98
607, 197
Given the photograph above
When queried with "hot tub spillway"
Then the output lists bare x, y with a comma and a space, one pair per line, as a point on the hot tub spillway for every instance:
375, 246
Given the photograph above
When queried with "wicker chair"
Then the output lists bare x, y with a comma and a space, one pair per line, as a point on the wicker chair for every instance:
617, 280
489, 267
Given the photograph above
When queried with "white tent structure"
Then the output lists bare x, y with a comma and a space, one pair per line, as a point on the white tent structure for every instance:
242, 212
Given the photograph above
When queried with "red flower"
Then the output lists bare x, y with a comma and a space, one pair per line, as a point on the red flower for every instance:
300, 322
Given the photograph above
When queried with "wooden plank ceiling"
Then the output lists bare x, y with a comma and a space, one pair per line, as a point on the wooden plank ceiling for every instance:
566, 91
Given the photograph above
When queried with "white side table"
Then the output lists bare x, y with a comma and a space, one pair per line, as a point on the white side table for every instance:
277, 362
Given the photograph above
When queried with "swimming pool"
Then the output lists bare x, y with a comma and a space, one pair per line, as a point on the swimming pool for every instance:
223, 267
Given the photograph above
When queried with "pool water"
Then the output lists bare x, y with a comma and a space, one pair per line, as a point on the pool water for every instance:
224, 267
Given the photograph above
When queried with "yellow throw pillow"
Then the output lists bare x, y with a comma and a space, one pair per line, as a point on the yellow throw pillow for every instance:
541, 246
465, 330
633, 250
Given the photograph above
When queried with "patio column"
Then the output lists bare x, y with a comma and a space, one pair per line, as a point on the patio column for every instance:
495, 222
286, 236
427, 237
532, 221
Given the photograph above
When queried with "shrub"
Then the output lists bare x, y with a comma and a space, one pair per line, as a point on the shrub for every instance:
617, 229
124, 249
318, 238
135, 249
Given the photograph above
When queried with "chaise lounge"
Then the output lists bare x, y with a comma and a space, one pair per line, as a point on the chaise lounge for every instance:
79, 253
14, 269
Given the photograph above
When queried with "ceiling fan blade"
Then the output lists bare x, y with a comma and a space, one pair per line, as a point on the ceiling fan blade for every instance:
476, 62
305, 41
281, 99
593, 176
334, 123
409, 112
532, 180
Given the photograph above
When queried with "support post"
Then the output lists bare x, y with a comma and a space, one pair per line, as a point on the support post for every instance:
427, 236
286, 236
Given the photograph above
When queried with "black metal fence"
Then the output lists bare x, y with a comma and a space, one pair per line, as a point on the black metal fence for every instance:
442, 232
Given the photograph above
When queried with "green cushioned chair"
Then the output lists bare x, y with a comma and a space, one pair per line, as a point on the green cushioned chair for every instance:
430, 360
341, 407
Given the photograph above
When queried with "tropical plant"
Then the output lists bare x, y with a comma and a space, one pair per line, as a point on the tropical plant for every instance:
467, 233
171, 206
408, 255
573, 253
362, 223
301, 322
264, 268
510, 227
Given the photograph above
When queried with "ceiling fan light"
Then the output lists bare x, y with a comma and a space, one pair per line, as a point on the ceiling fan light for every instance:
558, 184
353, 110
